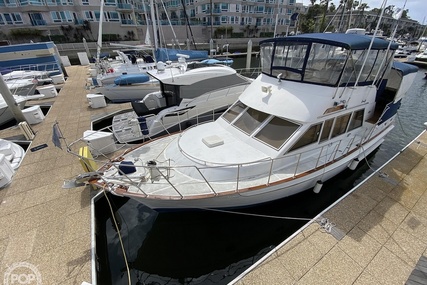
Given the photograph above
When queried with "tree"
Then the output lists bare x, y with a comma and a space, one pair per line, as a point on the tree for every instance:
362, 21
405, 14
307, 22
325, 4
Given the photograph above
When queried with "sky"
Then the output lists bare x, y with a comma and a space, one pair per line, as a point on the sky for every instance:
417, 8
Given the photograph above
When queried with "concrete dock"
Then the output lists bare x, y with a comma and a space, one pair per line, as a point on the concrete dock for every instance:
383, 221
41, 223
382, 233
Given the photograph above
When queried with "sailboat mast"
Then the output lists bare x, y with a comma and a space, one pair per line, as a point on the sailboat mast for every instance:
99, 43
154, 22
277, 19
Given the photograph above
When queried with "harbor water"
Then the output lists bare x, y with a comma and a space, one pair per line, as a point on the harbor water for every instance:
213, 247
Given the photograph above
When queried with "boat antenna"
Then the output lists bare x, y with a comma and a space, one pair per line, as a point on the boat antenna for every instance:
372, 41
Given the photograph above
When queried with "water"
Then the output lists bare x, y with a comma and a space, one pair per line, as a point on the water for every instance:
208, 247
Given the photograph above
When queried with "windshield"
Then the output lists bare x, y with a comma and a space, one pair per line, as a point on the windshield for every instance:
323, 64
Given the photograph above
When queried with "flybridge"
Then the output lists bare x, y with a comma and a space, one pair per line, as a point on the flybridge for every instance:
32, 56
328, 59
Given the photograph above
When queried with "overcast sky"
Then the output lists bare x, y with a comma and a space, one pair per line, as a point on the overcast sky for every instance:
417, 8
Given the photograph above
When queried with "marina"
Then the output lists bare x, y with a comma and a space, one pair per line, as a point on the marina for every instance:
50, 227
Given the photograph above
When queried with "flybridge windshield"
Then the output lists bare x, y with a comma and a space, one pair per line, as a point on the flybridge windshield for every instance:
324, 64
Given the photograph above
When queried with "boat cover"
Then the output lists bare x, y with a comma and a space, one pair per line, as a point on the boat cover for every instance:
348, 41
128, 79
404, 67
165, 54
217, 61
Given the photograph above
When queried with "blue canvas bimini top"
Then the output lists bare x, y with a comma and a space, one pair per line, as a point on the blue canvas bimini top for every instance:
348, 41
404, 67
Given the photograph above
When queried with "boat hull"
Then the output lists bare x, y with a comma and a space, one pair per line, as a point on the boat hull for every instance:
122, 94
267, 193
6, 114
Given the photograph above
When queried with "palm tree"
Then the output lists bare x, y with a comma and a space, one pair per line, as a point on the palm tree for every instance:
324, 3
351, 4
362, 7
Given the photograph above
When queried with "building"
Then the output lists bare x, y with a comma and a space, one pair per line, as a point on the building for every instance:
127, 19
340, 22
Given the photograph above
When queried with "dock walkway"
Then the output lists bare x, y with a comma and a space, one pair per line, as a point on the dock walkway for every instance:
379, 237
41, 223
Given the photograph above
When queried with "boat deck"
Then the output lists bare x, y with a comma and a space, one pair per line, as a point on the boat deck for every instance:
42, 223
379, 237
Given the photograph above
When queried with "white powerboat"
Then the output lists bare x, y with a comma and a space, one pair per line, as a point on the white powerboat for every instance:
14, 153
109, 71
322, 104
422, 56
5, 114
42, 77
129, 87
24, 86
183, 98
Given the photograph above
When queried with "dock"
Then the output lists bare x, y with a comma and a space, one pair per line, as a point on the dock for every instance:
376, 234
41, 223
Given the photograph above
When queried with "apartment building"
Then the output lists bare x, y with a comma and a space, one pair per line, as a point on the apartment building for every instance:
128, 19
368, 20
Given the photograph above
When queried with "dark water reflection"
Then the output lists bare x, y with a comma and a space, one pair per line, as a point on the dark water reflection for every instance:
207, 247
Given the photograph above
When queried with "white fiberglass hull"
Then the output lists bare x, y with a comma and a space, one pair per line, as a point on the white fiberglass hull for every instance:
5, 113
127, 93
265, 193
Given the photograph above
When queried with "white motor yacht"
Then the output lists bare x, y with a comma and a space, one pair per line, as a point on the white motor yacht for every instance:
322, 104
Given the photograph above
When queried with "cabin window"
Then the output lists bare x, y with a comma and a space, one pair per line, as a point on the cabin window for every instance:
340, 125
327, 126
309, 137
231, 114
356, 120
325, 64
349, 73
290, 55
250, 120
277, 132
360, 66
382, 63
266, 57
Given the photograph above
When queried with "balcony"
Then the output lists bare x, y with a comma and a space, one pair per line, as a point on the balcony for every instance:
38, 22
123, 6
79, 22
127, 22
214, 11
34, 8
